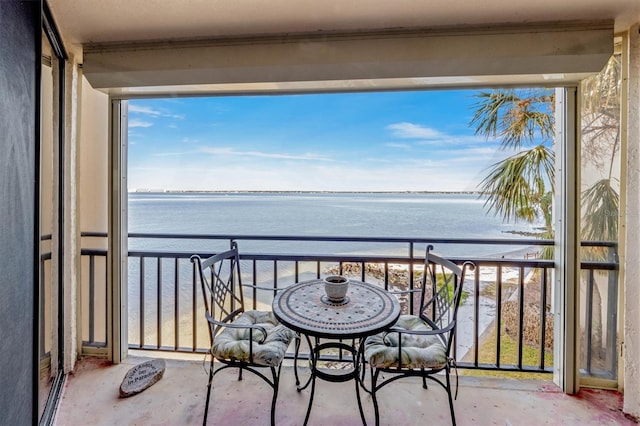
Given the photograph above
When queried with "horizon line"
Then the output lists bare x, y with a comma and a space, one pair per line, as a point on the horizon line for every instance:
218, 191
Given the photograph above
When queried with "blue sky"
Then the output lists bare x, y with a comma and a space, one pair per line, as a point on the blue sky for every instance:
382, 141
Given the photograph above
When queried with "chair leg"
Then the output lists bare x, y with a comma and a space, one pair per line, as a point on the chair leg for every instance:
295, 359
276, 385
374, 379
453, 415
206, 406
362, 365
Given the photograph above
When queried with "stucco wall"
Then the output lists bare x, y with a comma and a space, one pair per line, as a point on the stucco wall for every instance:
94, 132
93, 200
632, 234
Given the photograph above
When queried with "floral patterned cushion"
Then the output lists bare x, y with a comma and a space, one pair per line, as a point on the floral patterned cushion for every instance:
233, 343
425, 351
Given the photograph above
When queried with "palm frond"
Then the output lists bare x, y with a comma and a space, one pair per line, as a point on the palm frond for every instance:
601, 116
488, 111
525, 125
602, 91
517, 120
516, 185
547, 252
600, 207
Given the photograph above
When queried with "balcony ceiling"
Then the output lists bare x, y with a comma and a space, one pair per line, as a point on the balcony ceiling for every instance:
109, 21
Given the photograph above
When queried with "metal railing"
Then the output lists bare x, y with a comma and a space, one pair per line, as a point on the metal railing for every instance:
507, 323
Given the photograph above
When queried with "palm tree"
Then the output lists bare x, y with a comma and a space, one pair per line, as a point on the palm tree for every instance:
520, 187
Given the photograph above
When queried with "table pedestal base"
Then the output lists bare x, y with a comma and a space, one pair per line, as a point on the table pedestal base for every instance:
338, 376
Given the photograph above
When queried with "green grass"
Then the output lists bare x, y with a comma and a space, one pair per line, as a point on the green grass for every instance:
508, 356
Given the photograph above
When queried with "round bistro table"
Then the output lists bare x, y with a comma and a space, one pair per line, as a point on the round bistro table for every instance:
366, 310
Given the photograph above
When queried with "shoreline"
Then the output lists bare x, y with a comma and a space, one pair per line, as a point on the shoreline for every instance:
259, 191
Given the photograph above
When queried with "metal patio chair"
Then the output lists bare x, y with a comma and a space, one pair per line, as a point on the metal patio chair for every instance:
420, 345
245, 339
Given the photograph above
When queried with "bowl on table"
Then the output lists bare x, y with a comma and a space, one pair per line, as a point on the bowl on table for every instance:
336, 286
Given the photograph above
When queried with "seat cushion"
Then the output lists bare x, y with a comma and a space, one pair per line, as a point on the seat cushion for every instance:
233, 343
426, 351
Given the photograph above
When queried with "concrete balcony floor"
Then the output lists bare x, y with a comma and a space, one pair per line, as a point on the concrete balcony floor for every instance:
90, 397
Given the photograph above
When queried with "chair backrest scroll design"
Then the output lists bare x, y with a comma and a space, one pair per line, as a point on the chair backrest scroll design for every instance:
221, 286
444, 280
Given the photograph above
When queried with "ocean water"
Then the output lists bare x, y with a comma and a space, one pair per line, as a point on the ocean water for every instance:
459, 215
307, 214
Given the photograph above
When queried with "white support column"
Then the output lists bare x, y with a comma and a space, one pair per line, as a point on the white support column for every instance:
631, 339
71, 255
565, 293
117, 305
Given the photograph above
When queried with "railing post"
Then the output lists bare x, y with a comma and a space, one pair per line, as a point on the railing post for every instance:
543, 317
159, 302
612, 314
176, 304
142, 301
498, 314
521, 315
476, 287
411, 283
194, 308
589, 321
92, 299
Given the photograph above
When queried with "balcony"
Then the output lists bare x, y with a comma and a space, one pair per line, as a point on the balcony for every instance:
165, 312
91, 397
165, 320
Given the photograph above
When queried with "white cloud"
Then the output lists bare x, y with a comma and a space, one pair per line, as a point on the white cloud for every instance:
378, 160
450, 163
457, 140
144, 110
489, 154
304, 176
413, 131
172, 154
398, 145
479, 150
430, 136
139, 123
232, 152
139, 109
